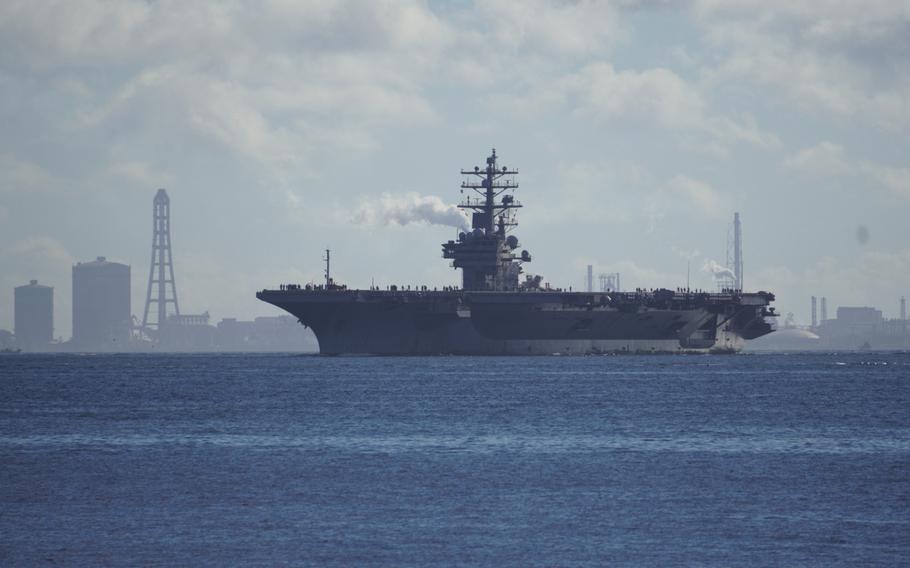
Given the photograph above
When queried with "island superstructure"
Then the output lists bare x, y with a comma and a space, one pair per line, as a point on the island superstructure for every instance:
500, 310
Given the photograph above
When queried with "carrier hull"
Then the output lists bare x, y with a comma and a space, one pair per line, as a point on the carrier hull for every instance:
372, 322
497, 313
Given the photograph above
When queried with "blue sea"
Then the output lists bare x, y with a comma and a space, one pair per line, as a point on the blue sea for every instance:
288, 460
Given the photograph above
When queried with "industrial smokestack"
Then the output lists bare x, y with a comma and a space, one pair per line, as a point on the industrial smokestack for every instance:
737, 252
903, 308
824, 309
590, 278
814, 313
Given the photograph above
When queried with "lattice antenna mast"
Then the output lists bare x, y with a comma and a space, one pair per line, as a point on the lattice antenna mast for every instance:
161, 290
491, 184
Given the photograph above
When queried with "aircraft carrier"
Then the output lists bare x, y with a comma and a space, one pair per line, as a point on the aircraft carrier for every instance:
499, 310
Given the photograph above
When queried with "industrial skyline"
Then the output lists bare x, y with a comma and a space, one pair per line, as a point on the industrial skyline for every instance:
103, 319
102, 296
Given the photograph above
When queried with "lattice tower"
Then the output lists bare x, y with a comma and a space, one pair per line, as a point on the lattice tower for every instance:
162, 290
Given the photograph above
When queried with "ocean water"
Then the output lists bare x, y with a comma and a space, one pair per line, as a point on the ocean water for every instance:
272, 460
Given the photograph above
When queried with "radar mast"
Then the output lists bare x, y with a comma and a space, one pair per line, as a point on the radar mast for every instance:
491, 183
485, 254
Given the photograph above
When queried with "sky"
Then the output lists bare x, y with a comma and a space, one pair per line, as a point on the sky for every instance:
282, 128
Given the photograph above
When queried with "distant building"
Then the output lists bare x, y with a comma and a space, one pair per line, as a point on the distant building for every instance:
278, 333
101, 305
187, 333
854, 328
34, 316
863, 328
7, 340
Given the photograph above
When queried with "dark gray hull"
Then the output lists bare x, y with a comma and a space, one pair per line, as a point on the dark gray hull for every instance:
498, 313
523, 323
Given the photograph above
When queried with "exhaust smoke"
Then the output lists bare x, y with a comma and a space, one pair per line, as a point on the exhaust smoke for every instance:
409, 208
717, 270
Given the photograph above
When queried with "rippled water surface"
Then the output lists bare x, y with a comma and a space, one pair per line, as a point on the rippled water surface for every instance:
552, 461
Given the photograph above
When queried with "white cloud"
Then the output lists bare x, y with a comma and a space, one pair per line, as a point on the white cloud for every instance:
97, 33
841, 25
728, 131
571, 28
40, 247
828, 159
599, 91
824, 159
18, 175
293, 200
843, 58
655, 211
895, 179
276, 83
685, 254
698, 193
656, 95
591, 193
141, 174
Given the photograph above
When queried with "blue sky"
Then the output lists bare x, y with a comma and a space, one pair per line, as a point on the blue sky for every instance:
638, 129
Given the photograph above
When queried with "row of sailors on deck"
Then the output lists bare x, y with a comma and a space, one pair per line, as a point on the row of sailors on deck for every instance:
396, 288
313, 287
391, 288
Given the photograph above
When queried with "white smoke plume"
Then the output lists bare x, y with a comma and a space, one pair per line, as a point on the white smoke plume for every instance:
718, 270
409, 208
